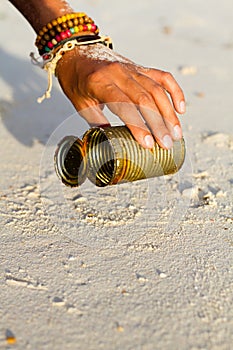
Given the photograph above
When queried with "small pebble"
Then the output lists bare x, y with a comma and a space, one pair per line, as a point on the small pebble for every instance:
11, 340
220, 194
200, 94
120, 328
10, 337
201, 175
124, 292
167, 30
58, 301
188, 70
141, 278
71, 258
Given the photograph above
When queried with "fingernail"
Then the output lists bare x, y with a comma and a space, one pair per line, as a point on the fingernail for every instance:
149, 141
167, 142
182, 107
177, 132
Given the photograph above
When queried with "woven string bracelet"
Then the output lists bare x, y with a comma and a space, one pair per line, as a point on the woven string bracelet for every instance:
51, 63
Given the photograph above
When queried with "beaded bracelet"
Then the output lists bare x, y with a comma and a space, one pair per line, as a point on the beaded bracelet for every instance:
82, 39
62, 28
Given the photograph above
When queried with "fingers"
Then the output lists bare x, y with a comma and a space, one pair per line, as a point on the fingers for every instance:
141, 103
155, 96
154, 107
90, 111
126, 110
157, 126
168, 82
137, 95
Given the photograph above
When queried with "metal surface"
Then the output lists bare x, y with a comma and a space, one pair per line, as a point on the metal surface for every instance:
111, 155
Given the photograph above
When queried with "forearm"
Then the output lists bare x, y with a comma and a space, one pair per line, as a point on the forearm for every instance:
92, 76
39, 12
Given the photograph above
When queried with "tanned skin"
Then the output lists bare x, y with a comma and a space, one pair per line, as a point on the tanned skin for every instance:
91, 77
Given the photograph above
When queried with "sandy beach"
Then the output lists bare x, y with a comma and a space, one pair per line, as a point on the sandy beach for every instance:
144, 265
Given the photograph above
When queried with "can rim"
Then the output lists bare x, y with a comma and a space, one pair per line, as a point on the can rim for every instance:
79, 174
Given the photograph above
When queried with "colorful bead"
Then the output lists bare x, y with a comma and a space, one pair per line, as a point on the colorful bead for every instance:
58, 29
52, 32
49, 26
50, 45
81, 20
46, 57
54, 22
63, 35
80, 14
68, 33
93, 28
89, 26
47, 37
58, 38
70, 24
64, 25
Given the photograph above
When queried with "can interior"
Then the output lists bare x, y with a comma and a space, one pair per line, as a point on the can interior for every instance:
70, 161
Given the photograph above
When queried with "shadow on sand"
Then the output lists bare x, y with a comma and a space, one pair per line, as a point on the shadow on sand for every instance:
23, 117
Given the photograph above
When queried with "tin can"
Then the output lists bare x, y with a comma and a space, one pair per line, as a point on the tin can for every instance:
111, 155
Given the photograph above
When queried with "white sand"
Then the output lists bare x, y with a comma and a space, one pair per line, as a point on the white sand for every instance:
143, 266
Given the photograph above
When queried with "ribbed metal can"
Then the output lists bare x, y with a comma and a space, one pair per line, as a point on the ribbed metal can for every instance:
111, 155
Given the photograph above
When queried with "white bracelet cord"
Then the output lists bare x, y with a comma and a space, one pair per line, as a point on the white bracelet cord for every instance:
51, 64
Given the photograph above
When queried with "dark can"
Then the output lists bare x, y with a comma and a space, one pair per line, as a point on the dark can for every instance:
111, 155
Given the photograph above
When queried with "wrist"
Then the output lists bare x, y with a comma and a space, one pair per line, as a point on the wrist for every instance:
40, 12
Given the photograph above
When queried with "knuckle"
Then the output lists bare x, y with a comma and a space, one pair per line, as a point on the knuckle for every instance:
114, 66
167, 77
93, 78
144, 98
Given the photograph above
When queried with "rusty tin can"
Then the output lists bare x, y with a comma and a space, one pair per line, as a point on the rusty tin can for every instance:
111, 155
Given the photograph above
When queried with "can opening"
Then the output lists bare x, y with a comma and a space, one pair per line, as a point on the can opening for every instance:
70, 163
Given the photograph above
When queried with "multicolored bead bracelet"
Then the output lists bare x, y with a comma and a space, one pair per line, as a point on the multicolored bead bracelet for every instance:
61, 35
62, 28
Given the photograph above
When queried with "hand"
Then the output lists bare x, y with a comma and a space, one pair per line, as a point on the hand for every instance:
94, 75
